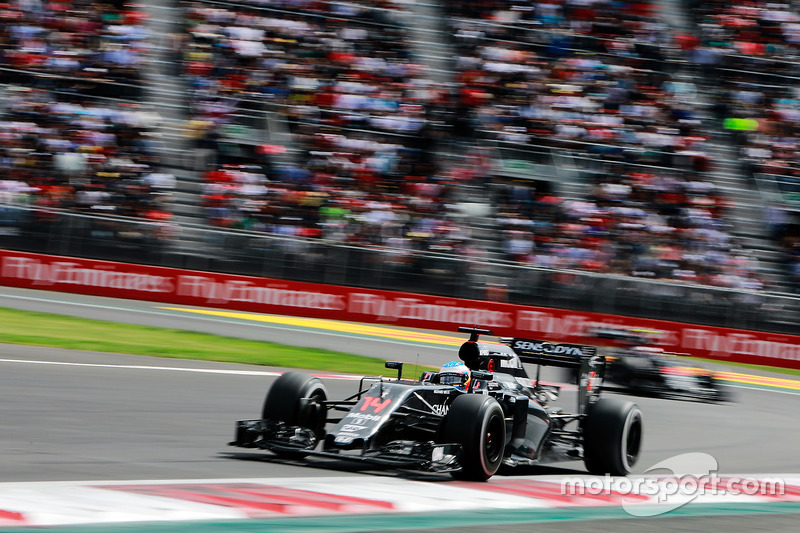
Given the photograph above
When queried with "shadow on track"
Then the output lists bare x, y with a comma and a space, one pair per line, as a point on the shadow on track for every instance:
351, 467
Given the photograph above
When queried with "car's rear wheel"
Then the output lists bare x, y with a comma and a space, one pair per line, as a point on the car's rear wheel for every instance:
296, 400
612, 437
477, 423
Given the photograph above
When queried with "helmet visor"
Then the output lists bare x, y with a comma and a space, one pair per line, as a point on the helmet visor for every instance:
452, 379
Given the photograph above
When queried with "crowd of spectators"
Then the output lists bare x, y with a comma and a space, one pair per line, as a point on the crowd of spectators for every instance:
88, 47
640, 224
593, 79
359, 110
597, 83
590, 79
748, 55
75, 134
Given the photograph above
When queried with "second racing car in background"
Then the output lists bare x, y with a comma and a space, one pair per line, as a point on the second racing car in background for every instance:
635, 364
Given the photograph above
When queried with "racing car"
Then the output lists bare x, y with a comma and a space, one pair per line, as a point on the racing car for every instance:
637, 366
496, 415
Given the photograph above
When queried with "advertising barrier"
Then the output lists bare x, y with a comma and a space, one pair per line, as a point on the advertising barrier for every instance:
274, 296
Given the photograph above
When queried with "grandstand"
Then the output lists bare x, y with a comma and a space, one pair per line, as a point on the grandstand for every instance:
648, 141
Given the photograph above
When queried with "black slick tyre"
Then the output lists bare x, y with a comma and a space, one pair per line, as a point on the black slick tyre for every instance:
477, 423
294, 399
612, 437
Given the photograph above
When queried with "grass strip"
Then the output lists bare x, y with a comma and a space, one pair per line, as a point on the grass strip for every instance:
62, 331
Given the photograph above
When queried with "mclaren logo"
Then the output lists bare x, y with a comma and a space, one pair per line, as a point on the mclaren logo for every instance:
548, 348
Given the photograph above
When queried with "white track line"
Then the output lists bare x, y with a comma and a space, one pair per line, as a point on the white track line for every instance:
172, 369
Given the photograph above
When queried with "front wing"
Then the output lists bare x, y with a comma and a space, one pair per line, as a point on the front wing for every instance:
286, 440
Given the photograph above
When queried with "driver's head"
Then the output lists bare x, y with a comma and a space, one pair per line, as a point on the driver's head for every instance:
455, 373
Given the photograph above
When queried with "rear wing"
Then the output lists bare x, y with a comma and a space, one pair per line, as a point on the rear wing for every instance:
550, 353
589, 367
619, 336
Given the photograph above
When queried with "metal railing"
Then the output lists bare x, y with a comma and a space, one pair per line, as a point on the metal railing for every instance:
779, 188
198, 247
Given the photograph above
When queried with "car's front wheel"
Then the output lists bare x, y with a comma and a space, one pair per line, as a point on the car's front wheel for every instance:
477, 423
296, 400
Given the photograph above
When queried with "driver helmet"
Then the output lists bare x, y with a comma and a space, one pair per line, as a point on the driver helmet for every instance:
456, 374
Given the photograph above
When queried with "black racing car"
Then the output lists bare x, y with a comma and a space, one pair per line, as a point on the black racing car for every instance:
504, 418
637, 366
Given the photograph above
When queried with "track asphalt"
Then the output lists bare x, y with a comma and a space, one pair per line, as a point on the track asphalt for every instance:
149, 436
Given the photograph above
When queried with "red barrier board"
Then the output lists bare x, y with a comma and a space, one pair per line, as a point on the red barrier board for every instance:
273, 296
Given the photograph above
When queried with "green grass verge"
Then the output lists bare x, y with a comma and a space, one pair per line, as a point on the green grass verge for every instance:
61, 331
